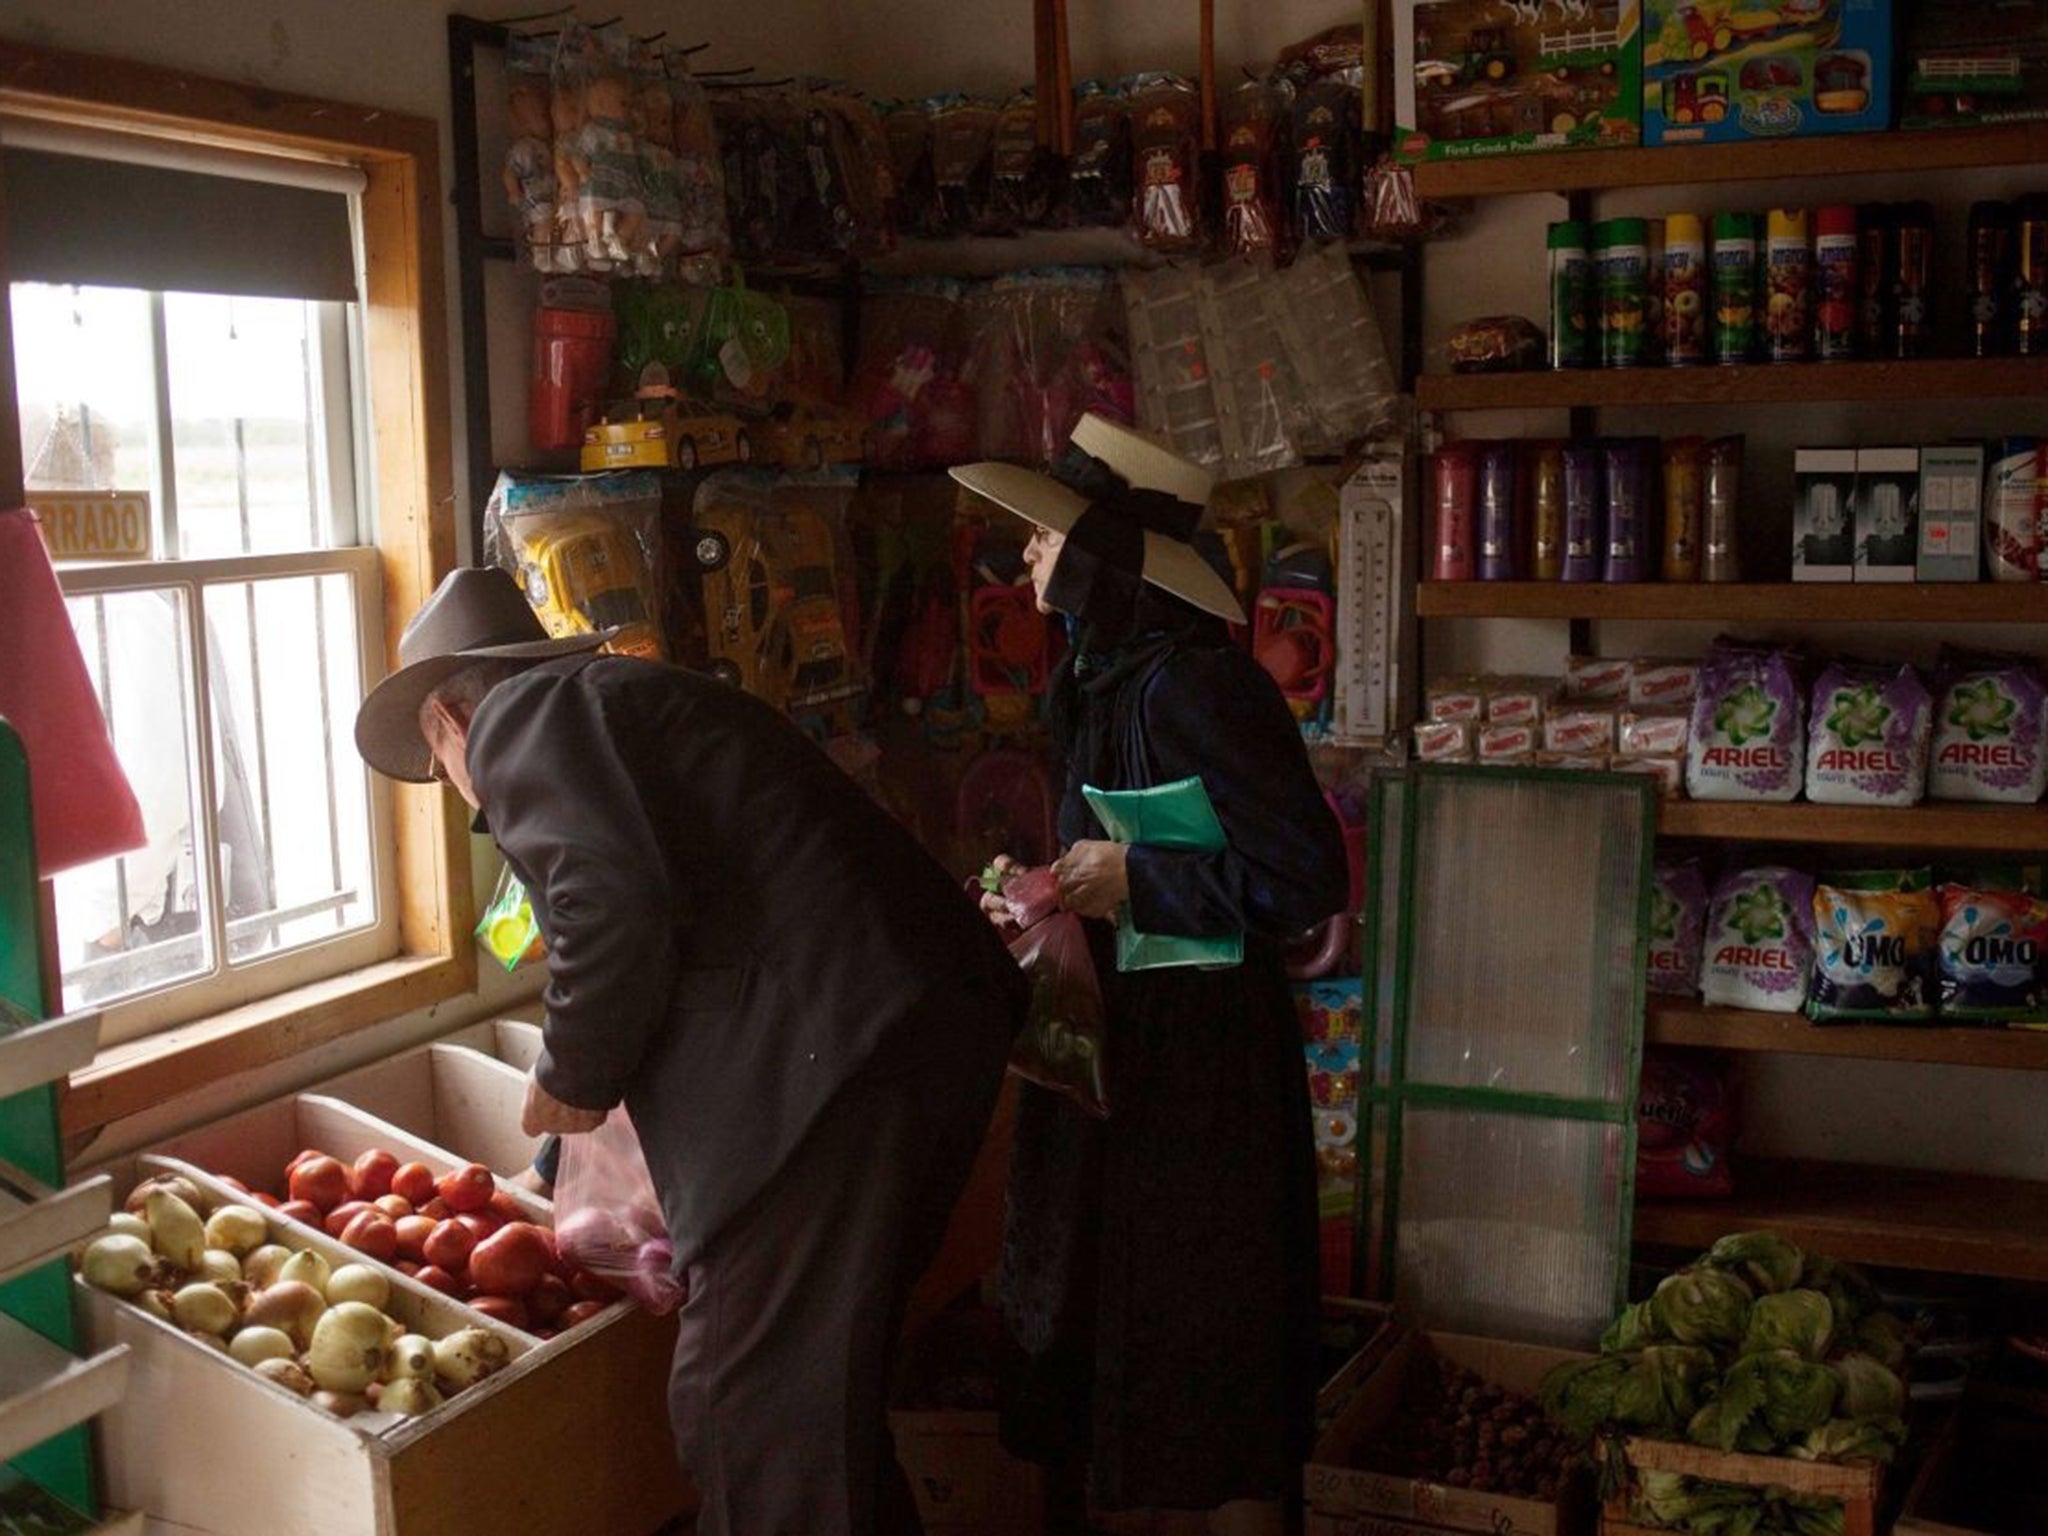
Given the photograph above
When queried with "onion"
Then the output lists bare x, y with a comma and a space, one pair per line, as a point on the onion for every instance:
156, 1302
174, 1183
291, 1307
203, 1308
262, 1267
238, 1228
253, 1346
129, 1223
348, 1347
219, 1267
118, 1263
343, 1405
175, 1228
308, 1268
358, 1282
210, 1340
465, 1358
287, 1373
409, 1395
412, 1355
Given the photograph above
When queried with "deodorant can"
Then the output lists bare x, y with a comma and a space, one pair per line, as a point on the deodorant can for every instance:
1685, 290
1993, 277
1721, 497
2012, 523
1684, 474
1585, 536
1734, 287
1571, 282
1788, 287
1452, 476
1621, 258
1838, 293
1874, 274
1499, 537
1546, 511
2030, 277
1625, 463
1912, 280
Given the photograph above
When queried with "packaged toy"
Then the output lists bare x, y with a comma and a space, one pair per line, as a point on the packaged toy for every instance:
1099, 170
836, 209
907, 128
1169, 354
1327, 73
1991, 948
660, 236
703, 241
1022, 182
1685, 1125
1874, 943
1748, 728
1990, 730
1046, 348
530, 158
1294, 630
963, 160
1759, 940
584, 549
1716, 70
870, 177
1970, 62
1867, 744
1166, 158
1678, 919
911, 359
598, 167
1253, 131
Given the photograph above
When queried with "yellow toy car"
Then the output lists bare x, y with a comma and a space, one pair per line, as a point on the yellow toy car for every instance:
812, 436
666, 434
585, 572
771, 606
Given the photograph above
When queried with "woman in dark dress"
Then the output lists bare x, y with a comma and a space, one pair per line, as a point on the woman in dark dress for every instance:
1159, 1267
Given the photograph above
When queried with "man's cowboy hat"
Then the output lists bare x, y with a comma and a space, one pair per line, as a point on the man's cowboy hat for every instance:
474, 615
1144, 466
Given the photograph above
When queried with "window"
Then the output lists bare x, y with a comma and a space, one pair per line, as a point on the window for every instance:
230, 665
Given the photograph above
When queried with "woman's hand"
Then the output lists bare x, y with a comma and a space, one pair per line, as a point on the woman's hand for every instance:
994, 905
1092, 877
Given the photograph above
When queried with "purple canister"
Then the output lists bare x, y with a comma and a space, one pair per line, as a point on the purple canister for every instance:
1584, 537
1499, 545
1625, 462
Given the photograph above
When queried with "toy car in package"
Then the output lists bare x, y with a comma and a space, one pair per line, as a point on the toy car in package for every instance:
1328, 72
1022, 177
584, 550
1166, 155
1098, 188
1254, 134
963, 161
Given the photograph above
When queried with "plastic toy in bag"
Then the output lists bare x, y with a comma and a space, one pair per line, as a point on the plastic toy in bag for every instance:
1176, 394
1874, 945
1021, 178
583, 549
1748, 733
910, 360
1678, 918
754, 145
835, 186
508, 929
703, 240
1254, 118
599, 169
660, 235
1166, 167
870, 178
1061, 1046
907, 127
1044, 349
963, 161
608, 1217
1991, 946
1867, 741
529, 173
1685, 1125
1098, 190
1759, 940
1326, 133
1990, 730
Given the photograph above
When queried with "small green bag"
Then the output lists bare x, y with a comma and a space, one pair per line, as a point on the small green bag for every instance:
1177, 816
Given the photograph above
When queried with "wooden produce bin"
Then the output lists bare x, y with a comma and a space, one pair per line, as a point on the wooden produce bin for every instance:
512, 1041
572, 1436
1859, 1488
1344, 1499
450, 1096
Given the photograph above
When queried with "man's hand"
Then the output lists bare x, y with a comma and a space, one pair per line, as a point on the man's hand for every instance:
544, 1113
1092, 877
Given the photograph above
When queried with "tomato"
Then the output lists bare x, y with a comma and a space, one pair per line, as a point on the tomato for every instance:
303, 1157
434, 1277
547, 1236
468, 1188
337, 1220
409, 1266
502, 1309
301, 1210
549, 1299
413, 1232
371, 1232
371, 1176
233, 1183
510, 1262
448, 1246
589, 1287
265, 1198
504, 1207
415, 1181
320, 1179
581, 1313
394, 1206
437, 1208
482, 1223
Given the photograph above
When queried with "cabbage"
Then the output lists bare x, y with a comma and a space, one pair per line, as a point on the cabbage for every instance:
1579, 1395
1869, 1391
1884, 1338
1706, 1509
1763, 1261
1664, 1389
1801, 1321
1846, 1287
1872, 1439
1630, 1331
1701, 1306
1798, 1394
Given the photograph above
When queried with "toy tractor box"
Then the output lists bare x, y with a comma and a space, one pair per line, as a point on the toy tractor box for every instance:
1716, 71
1495, 77
1975, 62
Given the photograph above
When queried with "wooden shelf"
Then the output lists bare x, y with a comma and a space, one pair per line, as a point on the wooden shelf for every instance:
1793, 1034
1963, 1224
1752, 603
38, 1223
47, 1052
44, 1390
1959, 378
1826, 155
2011, 830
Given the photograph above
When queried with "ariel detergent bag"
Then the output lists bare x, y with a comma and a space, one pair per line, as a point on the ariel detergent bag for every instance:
1867, 744
1678, 917
1759, 940
1990, 731
1748, 738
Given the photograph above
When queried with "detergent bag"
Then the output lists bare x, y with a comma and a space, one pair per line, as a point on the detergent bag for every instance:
1991, 945
1990, 731
1759, 943
1867, 744
1678, 917
1874, 946
1748, 741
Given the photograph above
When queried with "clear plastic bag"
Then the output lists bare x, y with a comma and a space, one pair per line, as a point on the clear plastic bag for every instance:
608, 1218
529, 174
1166, 150
1045, 348
584, 549
1060, 1047
507, 930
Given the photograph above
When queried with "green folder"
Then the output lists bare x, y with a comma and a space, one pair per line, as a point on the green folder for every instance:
1177, 816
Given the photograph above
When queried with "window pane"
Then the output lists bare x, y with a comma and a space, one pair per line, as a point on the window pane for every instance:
137, 922
245, 387
294, 794
82, 371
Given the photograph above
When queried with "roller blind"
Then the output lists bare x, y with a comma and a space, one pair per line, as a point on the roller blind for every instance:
124, 211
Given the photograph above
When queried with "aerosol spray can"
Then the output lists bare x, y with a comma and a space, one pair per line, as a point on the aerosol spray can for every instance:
1452, 479
1992, 278
1788, 287
1653, 291
1625, 465
1546, 511
1720, 497
2012, 524
1621, 258
1585, 535
1684, 474
1734, 287
1874, 275
1571, 284
1838, 294
2030, 271
1912, 280
1685, 290
1499, 537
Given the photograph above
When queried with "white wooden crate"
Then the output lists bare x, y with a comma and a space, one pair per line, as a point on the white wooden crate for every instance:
515, 1042
452, 1095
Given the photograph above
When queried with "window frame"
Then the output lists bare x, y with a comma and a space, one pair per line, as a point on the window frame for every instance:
410, 484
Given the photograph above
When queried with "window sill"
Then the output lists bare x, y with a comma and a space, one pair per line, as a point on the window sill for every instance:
139, 1074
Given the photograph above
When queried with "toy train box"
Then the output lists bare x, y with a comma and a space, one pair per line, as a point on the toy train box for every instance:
1973, 62
1722, 70
1493, 77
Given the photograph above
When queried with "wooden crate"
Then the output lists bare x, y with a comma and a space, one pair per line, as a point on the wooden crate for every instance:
512, 1041
1346, 1500
1859, 1488
452, 1095
963, 1479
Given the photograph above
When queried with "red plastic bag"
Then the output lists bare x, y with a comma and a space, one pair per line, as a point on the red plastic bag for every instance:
607, 1218
1060, 1046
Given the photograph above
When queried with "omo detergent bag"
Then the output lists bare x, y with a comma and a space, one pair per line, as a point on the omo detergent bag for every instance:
1867, 743
1874, 939
1991, 946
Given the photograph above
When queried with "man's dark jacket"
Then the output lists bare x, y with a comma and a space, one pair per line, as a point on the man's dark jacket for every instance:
734, 928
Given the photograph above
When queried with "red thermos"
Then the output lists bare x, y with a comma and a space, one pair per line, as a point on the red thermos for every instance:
572, 362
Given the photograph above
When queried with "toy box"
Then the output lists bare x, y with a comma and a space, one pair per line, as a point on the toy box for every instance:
1491, 77
1971, 62
1720, 70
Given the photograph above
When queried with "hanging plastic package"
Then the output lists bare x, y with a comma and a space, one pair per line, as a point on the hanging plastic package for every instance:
1874, 940
1254, 118
1328, 74
599, 170
1991, 947
1867, 741
1678, 917
703, 240
1759, 940
508, 929
584, 549
660, 236
529, 173
963, 161
1990, 730
907, 128
1166, 160
1748, 732
1099, 171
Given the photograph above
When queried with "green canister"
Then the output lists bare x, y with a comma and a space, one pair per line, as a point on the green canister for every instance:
1571, 281
1621, 262
1734, 258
